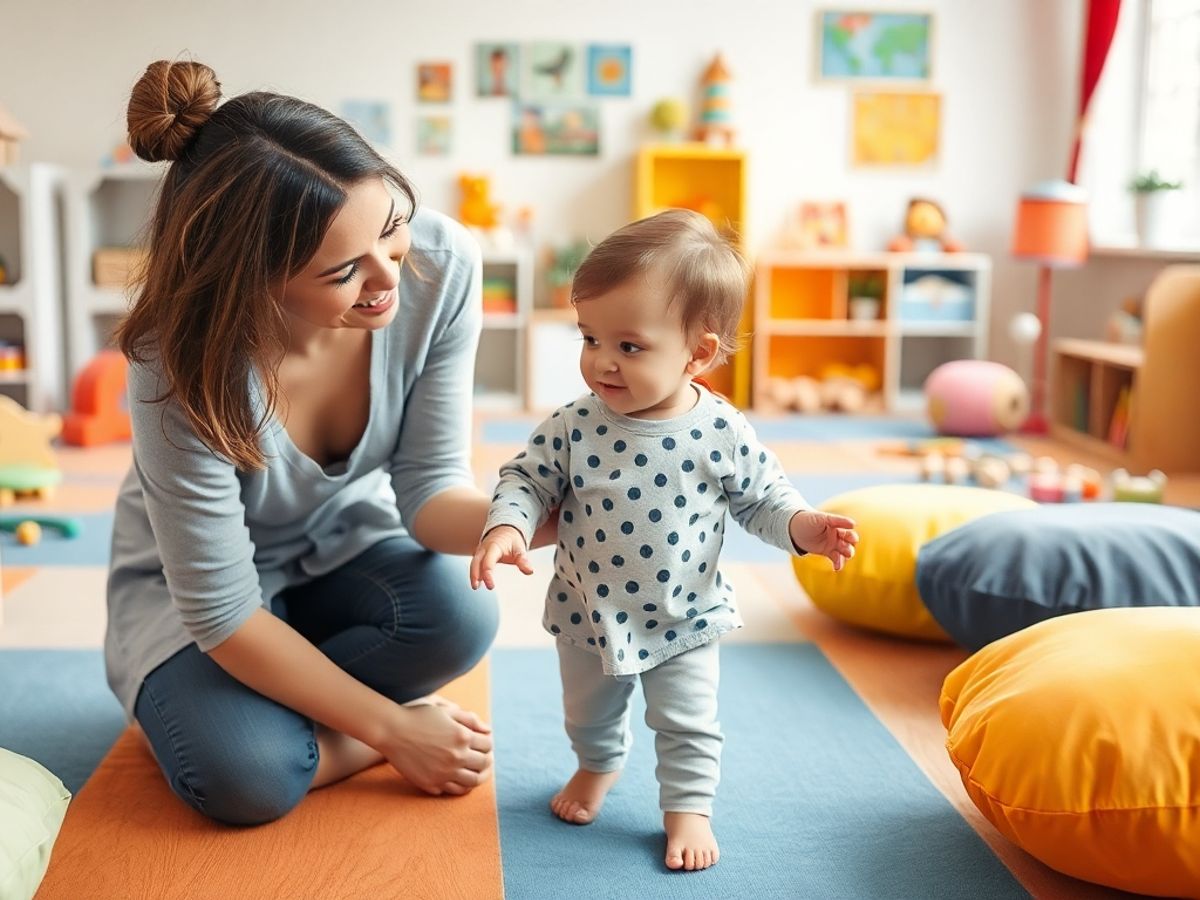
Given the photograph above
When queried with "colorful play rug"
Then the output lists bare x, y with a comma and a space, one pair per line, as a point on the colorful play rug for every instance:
835, 781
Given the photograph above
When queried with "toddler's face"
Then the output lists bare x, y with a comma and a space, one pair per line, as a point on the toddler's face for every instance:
635, 355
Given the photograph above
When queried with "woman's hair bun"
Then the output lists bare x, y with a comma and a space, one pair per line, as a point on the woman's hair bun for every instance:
169, 104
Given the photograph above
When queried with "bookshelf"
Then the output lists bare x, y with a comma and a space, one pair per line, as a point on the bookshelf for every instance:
106, 210
31, 358
507, 302
712, 181
1094, 385
1092, 381
931, 309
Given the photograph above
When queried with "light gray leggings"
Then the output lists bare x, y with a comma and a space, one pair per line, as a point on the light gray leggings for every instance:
681, 708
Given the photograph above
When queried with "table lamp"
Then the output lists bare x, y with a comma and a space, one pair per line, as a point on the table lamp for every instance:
1051, 229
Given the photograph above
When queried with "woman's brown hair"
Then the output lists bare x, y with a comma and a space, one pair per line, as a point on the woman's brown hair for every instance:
253, 186
701, 270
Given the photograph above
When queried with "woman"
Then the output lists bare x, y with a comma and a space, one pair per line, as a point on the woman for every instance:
302, 338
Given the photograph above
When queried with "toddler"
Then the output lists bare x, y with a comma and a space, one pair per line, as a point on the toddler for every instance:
643, 470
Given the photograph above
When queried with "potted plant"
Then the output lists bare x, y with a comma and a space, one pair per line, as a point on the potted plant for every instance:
865, 293
561, 269
1151, 196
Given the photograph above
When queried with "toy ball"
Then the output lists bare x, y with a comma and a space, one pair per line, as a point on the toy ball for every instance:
975, 397
28, 533
668, 115
1024, 328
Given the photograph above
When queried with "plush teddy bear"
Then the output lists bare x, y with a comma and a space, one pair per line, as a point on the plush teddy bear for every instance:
924, 230
477, 208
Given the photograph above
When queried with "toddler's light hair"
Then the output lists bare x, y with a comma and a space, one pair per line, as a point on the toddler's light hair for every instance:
702, 271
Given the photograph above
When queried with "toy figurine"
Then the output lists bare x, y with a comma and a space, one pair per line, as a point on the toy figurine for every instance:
1138, 488
924, 230
715, 113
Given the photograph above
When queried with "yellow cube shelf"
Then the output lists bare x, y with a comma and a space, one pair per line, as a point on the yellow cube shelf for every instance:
711, 181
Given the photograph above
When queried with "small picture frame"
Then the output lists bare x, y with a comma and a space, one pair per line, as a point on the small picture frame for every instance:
870, 46
556, 129
371, 118
552, 71
895, 128
819, 225
497, 68
435, 82
434, 134
609, 70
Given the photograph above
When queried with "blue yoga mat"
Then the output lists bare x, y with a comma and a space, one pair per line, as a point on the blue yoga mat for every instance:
56, 708
817, 799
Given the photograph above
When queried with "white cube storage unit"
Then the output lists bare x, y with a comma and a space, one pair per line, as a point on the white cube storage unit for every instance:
500, 362
106, 208
31, 364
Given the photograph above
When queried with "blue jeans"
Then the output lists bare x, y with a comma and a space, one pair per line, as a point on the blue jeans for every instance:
399, 618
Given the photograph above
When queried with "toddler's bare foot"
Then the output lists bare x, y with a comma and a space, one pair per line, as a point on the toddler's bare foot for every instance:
691, 844
581, 798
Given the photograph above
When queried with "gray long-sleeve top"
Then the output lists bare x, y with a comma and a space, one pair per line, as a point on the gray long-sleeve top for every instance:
199, 546
643, 502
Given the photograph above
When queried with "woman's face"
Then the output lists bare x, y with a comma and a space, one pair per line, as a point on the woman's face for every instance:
351, 281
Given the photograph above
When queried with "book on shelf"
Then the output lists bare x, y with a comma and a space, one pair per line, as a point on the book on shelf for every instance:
1118, 426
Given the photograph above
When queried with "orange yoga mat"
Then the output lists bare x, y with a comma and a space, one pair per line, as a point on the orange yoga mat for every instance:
372, 836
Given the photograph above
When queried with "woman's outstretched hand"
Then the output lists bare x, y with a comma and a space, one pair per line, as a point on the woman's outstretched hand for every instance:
440, 748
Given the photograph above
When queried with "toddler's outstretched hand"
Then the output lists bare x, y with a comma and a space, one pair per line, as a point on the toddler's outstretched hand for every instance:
829, 535
502, 544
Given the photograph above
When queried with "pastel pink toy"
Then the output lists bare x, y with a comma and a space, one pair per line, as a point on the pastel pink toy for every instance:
974, 397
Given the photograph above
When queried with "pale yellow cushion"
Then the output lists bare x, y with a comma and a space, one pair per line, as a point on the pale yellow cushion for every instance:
32, 805
1079, 738
877, 589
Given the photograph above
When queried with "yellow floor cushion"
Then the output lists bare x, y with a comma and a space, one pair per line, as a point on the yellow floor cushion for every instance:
877, 589
1079, 738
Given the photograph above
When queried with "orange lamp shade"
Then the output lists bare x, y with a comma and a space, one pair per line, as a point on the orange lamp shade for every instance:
1051, 225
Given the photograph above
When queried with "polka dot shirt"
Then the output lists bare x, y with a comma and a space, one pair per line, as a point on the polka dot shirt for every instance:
641, 523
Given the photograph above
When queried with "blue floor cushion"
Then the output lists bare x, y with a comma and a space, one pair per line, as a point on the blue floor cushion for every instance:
998, 574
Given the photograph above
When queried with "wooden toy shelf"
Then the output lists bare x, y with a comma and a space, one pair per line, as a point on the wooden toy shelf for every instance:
1093, 381
809, 313
712, 181
1157, 384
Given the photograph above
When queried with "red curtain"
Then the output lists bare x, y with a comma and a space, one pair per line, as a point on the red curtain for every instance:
1101, 23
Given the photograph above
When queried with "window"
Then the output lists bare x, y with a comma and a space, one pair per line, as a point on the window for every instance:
1146, 115
1170, 95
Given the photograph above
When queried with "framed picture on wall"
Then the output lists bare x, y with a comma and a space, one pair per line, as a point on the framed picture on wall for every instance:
556, 129
895, 128
434, 82
609, 70
496, 70
433, 135
874, 46
820, 226
552, 71
372, 119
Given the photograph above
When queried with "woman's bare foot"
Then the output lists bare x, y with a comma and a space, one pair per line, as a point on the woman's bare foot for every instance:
581, 798
691, 844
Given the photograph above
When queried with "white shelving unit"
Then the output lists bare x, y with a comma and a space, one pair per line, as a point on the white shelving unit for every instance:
500, 362
31, 295
104, 208
934, 309
552, 376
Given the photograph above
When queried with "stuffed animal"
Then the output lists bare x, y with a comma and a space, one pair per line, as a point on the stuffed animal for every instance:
924, 230
477, 208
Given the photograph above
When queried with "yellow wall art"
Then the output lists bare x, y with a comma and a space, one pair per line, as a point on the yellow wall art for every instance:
896, 128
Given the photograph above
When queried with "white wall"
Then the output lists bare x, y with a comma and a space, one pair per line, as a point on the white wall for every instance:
1008, 71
